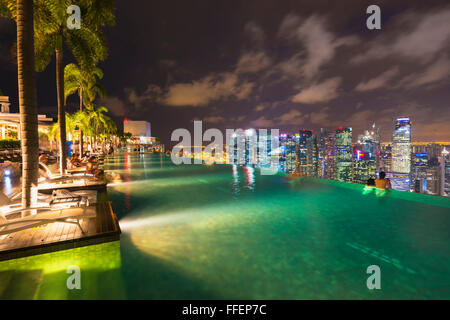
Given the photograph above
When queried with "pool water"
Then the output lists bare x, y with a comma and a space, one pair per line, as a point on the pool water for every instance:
227, 232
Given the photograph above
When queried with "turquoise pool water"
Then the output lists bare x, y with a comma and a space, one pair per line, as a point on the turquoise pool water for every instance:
224, 232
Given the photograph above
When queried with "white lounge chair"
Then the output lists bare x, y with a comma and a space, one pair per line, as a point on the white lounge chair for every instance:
71, 215
60, 196
71, 173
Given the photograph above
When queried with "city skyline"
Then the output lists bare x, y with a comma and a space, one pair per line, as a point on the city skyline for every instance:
291, 65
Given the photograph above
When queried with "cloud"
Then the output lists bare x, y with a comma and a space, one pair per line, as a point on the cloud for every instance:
437, 71
252, 62
262, 122
377, 82
206, 90
293, 117
421, 36
214, 119
115, 106
323, 92
255, 34
319, 44
320, 117
260, 107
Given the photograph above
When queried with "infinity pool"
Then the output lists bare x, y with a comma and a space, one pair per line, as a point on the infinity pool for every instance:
224, 232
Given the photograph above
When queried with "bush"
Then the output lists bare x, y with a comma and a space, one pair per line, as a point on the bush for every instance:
9, 144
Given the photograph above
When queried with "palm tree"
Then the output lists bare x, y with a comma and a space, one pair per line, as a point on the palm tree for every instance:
99, 123
22, 12
51, 32
87, 45
84, 83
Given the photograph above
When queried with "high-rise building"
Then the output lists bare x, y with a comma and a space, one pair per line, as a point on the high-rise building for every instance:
366, 155
385, 157
302, 150
418, 170
344, 154
401, 146
311, 156
291, 153
329, 156
284, 138
445, 173
321, 153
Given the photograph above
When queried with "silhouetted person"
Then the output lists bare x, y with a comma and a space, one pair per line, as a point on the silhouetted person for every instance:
382, 182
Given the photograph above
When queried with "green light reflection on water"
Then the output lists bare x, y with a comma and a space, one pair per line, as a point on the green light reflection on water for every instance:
44, 276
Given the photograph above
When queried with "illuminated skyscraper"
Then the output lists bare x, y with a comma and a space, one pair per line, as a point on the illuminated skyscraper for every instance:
445, 173
311, 156
328, 149
366, 155
344, 154
385, 157
302, 150
401, 146
291, 153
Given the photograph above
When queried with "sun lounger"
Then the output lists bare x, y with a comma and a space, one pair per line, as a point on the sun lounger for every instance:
58, 198
63, 196
71, 215
71, 173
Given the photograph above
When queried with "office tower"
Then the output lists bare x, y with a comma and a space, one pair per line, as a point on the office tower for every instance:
302, 150
344, 154
284, 138
401, 146
329, 156
434, 151
445, 173
321, 153
291, 153
311, 156
264, 148
418, 169
401, 155
366, 155
237, 148
385, 157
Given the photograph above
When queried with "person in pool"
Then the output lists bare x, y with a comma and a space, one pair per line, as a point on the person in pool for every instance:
370, 182
382, 182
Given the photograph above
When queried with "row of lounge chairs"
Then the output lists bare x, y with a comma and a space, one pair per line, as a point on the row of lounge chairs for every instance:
12, 157
61, 206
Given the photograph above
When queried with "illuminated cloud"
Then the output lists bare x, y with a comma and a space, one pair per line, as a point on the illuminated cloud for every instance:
213, 119
206, 90
293, 117
319, 44
379, 81
437, 71
322, 92
252, 62
418, 36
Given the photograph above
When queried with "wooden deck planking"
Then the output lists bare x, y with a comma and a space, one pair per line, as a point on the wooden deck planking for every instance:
60, 236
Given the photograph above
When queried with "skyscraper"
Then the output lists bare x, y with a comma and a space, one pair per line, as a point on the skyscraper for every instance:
344, 154
401, 146
366, 155
386, 157
302, 150
329, 156
445, 173
311, 156
401, 155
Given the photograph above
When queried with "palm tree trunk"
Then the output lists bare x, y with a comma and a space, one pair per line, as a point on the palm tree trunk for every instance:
81, 131
61, 109
27, 102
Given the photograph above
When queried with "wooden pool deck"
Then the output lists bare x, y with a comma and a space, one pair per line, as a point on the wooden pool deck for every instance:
56, 236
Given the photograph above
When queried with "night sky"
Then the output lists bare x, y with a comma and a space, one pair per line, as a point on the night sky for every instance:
275, 64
